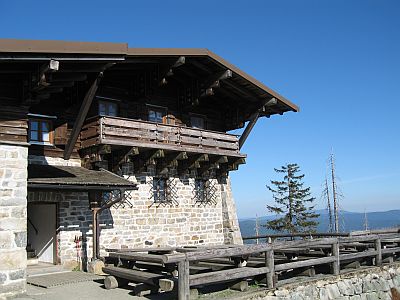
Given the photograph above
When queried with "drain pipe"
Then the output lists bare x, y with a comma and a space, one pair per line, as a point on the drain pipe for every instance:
96, 229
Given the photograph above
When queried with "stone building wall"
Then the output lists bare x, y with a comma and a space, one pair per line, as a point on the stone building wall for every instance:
13, 176
367, 284
53, 161
232, 234
140, 223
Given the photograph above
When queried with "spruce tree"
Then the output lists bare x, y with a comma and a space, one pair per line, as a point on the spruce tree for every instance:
293, 203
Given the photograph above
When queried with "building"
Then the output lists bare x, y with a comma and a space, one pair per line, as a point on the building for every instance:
126, 145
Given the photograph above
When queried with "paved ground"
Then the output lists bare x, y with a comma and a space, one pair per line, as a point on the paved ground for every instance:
83, 290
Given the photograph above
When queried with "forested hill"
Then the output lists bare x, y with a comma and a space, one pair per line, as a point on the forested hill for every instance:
349, 221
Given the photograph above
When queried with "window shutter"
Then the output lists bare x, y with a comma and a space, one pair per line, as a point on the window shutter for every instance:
60, 134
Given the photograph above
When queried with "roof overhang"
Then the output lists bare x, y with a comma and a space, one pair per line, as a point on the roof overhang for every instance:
252, 91
63, 47
48, 177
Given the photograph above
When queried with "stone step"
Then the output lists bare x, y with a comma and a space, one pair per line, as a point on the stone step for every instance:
32, 261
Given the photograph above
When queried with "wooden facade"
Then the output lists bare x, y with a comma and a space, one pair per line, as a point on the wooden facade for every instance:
108, 103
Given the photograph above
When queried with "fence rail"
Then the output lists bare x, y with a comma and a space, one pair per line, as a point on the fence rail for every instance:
128, 132
191, 267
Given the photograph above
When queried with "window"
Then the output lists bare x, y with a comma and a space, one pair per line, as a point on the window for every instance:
107, 108
40, 131
160, 189
205, 191
157, 114
200, 190
197, 122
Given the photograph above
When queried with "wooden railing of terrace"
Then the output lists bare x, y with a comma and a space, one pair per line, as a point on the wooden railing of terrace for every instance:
144, 134
192, 267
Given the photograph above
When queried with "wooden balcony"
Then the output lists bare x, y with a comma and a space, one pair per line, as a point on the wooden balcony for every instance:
144, 134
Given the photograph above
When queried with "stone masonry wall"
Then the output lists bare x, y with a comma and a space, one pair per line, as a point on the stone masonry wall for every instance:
232, 234
53, 161
369, 284
143, 223
13, 187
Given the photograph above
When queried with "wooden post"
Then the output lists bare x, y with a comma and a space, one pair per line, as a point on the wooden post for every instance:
96, 233
253, 119
378, 248
183, 280
80, 119
336, 263
269, 262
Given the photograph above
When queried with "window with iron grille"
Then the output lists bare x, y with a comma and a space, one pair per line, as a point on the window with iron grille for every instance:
164, 191
204, 191
160, 189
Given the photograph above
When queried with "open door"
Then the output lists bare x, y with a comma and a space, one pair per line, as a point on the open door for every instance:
42, 231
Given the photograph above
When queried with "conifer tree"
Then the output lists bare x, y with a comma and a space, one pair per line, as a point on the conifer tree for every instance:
293, 203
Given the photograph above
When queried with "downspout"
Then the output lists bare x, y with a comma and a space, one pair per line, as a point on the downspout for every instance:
96, 228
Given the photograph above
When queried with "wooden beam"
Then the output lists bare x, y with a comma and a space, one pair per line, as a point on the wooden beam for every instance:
151, 160
226, 275
134, 275
253, 120
183, 280
56, 77
214, 163
213, 81
51, 66
171, 161
87, 101
170, 70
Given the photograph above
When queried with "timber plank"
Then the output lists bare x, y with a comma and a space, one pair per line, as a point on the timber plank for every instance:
134, 275
14, 123
13, 130
352, 256
152, 145
305, 263
225, 275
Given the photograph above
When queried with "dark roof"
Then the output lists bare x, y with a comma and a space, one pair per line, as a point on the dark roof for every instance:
120, 52
75, 178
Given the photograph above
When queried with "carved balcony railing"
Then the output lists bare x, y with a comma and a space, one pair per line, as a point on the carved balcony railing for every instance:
144, 134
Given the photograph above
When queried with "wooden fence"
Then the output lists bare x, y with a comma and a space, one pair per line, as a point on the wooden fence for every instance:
138, 133
191, 267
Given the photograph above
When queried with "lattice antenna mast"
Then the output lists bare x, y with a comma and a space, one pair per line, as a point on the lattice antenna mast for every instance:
328, 204
334, 194
257, 229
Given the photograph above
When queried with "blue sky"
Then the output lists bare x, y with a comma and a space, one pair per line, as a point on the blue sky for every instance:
338, 60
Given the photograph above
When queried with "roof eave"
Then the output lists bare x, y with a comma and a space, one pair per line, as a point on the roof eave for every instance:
61, 47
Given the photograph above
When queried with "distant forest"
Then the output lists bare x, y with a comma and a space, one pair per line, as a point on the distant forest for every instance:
349, 221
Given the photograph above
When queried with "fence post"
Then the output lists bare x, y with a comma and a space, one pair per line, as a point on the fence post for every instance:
378, 248
183, 280
269, 262
336, 263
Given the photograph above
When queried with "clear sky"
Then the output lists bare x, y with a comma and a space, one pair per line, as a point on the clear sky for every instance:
338, 60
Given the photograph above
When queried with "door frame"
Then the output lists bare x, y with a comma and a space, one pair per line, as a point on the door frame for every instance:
56, 256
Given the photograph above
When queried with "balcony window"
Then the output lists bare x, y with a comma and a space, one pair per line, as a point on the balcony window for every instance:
40, 131
157, 114
108, 108
197, 122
